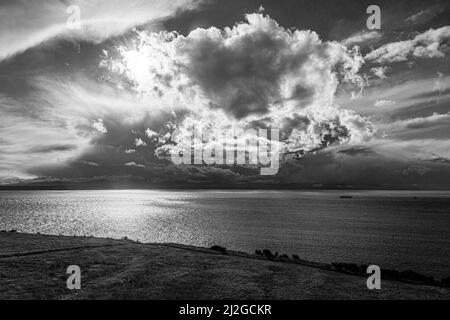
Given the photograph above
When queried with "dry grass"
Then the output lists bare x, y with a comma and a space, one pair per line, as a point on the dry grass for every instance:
118, 269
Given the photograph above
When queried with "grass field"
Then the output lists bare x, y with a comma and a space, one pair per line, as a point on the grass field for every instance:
34, 267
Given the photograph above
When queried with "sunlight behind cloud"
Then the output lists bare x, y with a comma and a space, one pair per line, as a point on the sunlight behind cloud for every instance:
254, 72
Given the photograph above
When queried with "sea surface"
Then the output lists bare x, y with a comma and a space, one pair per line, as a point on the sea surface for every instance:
394, 229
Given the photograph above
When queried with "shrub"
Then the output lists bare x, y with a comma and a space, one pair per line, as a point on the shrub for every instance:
268, 254
219, 249
446, 282
348, 268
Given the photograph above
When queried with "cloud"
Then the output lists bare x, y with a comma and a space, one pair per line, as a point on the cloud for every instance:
151, 134
418, 16
71, 117
25, 24
428, 128
412, 149
134, 164
53, 148
416, 170
430, 44
438, 85
424, 16
248, 69
86, 163
427, 122
231, 78
244, 70
357, 151
138, 142
384, 103
363, 37
88, 122
22, 145
99, 126
414, 96
380, 72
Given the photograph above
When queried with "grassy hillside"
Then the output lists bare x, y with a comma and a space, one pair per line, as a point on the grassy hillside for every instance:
34, 267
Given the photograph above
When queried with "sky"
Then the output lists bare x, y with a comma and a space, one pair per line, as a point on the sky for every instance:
101, 90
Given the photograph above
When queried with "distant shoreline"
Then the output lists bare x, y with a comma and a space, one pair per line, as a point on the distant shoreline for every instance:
209, 188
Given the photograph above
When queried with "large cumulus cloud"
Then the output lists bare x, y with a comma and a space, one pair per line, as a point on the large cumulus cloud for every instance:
249, 68
254, 73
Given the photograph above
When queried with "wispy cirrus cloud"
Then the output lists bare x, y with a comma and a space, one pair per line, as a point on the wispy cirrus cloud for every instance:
25, 24
430, 44
30, 142
384, 103
425, 15
432, 127
74, 115
362, 37
425, 96
435, 120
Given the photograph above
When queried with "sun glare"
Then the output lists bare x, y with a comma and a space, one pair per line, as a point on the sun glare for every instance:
137, 65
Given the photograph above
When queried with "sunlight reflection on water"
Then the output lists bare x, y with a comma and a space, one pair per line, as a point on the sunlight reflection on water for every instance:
388, 228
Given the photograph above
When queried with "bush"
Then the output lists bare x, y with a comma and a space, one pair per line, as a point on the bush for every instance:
268, 254
349, 268
295, 257
446, 282
258, 252
219, 249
